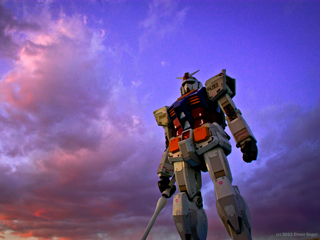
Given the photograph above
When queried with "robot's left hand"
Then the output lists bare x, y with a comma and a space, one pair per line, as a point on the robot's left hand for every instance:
163, 185
249, 150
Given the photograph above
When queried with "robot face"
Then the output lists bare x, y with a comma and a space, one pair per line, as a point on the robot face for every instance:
189, 85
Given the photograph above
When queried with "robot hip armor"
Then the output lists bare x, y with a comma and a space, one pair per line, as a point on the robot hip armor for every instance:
193, 143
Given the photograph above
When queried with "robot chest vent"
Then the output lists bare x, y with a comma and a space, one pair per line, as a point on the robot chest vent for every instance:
194, 100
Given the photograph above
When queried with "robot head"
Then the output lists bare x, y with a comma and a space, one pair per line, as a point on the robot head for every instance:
189, 83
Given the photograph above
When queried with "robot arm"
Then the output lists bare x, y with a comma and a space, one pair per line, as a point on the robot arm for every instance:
239, 129
221, 88
165, 169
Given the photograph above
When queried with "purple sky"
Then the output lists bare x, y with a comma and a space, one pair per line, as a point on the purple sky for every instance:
79, 81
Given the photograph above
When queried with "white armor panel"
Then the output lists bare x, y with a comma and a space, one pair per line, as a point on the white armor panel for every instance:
232, 209
217, 164
238, 126
165, 168
161, 116
220, 85
190, 221
188, 179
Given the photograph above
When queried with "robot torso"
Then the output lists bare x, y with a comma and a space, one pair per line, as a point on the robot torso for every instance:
194, 109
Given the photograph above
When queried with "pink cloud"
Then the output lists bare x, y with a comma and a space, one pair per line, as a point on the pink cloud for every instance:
56, 90
71, 156
9, 24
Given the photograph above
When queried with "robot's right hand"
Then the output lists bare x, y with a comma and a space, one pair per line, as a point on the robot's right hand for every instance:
249, 150
163, 185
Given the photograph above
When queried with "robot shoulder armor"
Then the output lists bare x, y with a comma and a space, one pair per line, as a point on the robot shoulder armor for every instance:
161, 116
220, 85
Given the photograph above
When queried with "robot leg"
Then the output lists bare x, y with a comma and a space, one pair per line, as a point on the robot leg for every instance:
188, 213
231, 206
190, 221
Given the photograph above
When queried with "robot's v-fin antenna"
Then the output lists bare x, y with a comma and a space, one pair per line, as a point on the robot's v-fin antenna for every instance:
186, 75
194, 72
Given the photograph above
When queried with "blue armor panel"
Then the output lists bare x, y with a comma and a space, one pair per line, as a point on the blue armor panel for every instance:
193, 110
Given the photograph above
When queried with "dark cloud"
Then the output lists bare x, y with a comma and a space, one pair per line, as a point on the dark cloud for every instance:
81, 195
55, 94
283, 195
79, 154
9, 48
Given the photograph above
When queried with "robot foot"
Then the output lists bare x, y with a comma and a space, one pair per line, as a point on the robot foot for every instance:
191, 222
243, 235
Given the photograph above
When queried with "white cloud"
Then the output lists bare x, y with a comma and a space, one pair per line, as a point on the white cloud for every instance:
164, 64
164, 18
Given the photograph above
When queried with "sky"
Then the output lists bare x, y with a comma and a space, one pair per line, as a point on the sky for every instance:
79, 81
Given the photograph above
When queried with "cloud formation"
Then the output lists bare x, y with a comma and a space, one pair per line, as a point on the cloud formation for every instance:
79, 162
163, 18
56, 91
69, 145
9, 25
282, 194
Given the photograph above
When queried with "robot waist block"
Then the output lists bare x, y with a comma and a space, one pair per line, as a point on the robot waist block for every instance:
201, 134
182, 148
193, 143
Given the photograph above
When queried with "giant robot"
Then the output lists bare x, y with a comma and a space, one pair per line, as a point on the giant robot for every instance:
196, 142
